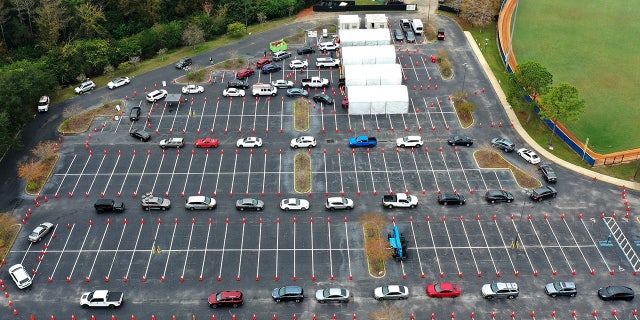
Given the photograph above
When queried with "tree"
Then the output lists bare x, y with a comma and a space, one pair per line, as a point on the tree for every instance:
533, 78
262, 18
236, 29
44, 149
26, 6
31, 170
50, 19
479, 12
561, 103
193, 35
91, 19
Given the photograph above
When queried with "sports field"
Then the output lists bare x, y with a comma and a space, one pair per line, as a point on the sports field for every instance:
594, 46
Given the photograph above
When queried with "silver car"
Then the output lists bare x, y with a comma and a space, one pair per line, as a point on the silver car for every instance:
40, 231
200, 203
337, 295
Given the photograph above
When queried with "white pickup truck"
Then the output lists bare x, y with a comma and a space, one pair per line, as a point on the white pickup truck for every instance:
314, 82
399, 200
327, 62
101, 299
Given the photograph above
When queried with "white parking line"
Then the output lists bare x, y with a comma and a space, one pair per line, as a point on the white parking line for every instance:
153, 187
596, 246
524, 247
62, 251
294, 248
264, 172
186, 180
330, 250
277, 245
355, 170
415, 113
404, 272
415, 163
126, 175
206, 247
99, 247
215, 116
455, 258
462, 169
43, 252
576, 242
224, 245
442, 112
340, 168
386, 171
282, 115
244, 223
279, 170
546, 218
246, 192
255, 116
104, 155
504, 245
215, 190
226, 127
233, 177
81, 173
535, 232
204, 107
406, 189
151, 250
64, 177
346, 233
242, 114
428, 113
313, 265
173, 171
415, 240
75, 263
486, 243
435, 251
116, 252
326, 179
373, 182
173, 236
186, 256
175, 116
259, 246
189, 115
111, 175
473, 255
135, 247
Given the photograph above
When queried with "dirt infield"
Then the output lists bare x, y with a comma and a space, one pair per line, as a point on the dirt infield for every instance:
504, 30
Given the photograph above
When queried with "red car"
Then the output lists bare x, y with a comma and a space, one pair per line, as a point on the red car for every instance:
244, 73
207, 143
443, 290
226, 299
262, 62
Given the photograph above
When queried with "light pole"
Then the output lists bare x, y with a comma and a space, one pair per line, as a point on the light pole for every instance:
464, 77
486, 42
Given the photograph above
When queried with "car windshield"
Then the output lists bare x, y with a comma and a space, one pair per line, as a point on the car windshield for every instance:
385, 290
494, 287
326, 292
34, 233
557, 286
437, 287
219, 296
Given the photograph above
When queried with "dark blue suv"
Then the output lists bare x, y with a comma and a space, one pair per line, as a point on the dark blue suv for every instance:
269, 68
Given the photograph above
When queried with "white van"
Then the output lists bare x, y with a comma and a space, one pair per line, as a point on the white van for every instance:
417, 26
263, 89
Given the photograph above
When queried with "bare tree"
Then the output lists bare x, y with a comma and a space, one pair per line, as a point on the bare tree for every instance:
162, 52
207, 7
43, 149
479, 12
134, 61
50, 19
193, 35
71, 111
262, 18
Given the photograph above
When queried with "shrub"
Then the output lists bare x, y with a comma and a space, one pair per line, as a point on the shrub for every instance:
446, 68
236, 30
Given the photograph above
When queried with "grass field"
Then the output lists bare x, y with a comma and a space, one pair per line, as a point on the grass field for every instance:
591, 45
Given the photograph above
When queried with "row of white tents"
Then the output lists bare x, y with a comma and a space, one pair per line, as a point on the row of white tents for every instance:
373, 78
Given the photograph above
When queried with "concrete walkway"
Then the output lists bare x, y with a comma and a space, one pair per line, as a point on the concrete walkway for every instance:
516, 124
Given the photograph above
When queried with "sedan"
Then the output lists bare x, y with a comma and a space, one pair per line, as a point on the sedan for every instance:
269, 68
544, 192
411, 37
460, 141
200, 203
207, 143
529, 155
249, 204
244, 73
547, 173
398, 35
237, 83
324, 98
298, 64
305, 50
338, 295
249, 142
140, 134
134, 114
282, 84
20, 276
338, 203
294, 204
40, 231
504, 144
297, 92
616, 293
303, 142
233, 92
494, 196
410, 141
288, 293
391, 293
118, 82
561, 288
451, 198
150, 202
192, 88
443, 290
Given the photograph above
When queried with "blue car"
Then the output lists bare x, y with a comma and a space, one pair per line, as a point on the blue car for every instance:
269, 68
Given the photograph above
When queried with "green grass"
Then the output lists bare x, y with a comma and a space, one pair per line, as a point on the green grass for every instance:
588, 44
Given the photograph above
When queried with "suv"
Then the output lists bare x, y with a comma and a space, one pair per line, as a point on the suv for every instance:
544, 192
281, 55
244, 73
140, 134
288, 293
337, 203
237, 83
500, 290
226, 298
547, 173
184, 62
172, 143
85, 86
150, 202
104, 205
200, 203
504, 144
561, 288
43, 104
156, 95
262, 62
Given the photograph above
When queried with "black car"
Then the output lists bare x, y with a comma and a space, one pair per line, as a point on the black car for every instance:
269, 68
398, 34
494, 196
184, 62
140, 134
324, 98
249, 204
451, 198
547, 173
504, 144
411, 37
616, 293
105, 205
460, 141
305, 50
237, 83
134, 114
288, 293
544, 192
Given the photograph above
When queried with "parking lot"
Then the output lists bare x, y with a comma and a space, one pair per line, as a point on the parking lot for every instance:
168, 262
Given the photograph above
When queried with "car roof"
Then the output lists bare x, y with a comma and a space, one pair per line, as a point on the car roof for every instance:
196, 199
292, 289
335, 199
44, 99
231, 294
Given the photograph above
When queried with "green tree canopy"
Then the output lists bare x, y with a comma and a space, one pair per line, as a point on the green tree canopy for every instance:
533, 78
561, 103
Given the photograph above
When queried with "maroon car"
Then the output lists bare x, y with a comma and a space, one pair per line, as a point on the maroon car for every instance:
244, 73
226, 299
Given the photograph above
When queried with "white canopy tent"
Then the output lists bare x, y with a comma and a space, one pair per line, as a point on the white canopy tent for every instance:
375, 21
364, 37
392, 99
372, 75
367, 55
348, 21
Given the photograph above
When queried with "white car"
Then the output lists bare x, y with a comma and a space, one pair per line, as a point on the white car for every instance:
338, 203
294, 204
393, 292
192, 88
85, 86
20, 276
298, 64
283, 84
118, 82
156, 95
529, 155
40, 231
328, 46
249, 142
410, 141
303, 142
233, 92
